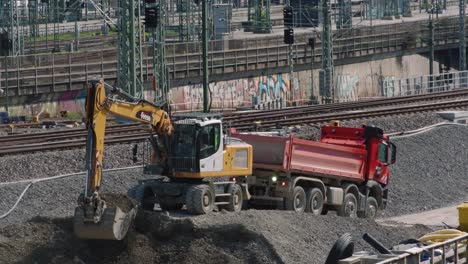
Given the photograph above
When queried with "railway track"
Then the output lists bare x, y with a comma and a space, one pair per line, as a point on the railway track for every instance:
266, 115
70, 138
247, 120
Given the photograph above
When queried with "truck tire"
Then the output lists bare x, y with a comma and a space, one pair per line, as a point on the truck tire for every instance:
349, 206
314, 201
199, 199
297, 201
236, 199
371, 210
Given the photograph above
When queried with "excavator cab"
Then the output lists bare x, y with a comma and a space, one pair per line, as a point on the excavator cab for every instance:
195, 147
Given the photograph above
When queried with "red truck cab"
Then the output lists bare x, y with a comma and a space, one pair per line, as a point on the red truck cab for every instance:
380, 151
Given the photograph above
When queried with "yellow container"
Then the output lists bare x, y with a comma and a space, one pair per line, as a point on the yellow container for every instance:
463, 216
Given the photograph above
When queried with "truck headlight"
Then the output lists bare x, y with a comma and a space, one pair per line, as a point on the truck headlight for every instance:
378, 170
274, 179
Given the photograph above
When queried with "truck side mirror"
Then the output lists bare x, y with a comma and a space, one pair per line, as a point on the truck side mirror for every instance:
393, 150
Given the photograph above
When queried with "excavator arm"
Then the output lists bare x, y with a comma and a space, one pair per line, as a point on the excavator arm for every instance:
107, 216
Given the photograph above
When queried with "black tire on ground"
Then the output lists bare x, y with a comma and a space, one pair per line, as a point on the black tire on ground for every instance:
297, 201
167, 205
199, 199
343, 248
371, 210
349, 206
236, 199
140, 193
314, 201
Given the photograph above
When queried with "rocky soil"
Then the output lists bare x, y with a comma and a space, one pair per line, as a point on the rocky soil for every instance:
430, 172
248, 237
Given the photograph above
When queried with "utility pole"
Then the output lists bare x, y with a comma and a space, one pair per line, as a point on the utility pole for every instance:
288, 21
77, 36
130, 64
205, 55
326, 73
462, 42
312, 57
431, 49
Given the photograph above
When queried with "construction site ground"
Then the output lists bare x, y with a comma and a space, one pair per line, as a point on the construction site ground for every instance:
430, 173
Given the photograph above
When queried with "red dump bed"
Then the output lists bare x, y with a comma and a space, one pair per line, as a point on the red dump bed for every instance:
306, 157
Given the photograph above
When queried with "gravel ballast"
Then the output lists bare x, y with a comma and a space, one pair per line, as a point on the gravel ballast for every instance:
430, 172
246, 237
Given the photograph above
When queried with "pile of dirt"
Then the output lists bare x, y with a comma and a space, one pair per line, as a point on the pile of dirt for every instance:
58, 198
430, 171
246, 237
51, 163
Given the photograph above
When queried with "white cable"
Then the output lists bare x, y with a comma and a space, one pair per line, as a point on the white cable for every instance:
422, 130
33, 181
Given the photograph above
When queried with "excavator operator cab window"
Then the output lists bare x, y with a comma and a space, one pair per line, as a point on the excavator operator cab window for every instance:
184, 142
209, 139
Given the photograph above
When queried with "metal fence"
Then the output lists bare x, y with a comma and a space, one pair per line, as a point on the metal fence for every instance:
425, 84
229, 59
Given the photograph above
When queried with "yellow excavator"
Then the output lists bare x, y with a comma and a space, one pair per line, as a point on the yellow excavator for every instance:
191, 152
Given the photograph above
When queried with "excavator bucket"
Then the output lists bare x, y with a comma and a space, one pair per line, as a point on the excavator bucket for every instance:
115, 221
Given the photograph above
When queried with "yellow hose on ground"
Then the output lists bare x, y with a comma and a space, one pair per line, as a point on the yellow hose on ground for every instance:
441, 236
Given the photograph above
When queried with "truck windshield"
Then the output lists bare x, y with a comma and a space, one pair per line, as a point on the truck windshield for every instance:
382, 155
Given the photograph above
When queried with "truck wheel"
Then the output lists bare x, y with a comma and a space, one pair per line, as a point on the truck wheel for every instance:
297, 201
371, 210
314, 201
235, 201
349, 206
199, 199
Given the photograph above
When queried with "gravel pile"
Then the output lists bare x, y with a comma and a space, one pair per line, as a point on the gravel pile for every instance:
51, 163
431, 171
389, 124
248, 237
58, 198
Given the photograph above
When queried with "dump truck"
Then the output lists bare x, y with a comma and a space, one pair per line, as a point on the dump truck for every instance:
346, 171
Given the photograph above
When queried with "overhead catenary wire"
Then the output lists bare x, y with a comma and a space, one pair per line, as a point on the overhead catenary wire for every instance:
34, 181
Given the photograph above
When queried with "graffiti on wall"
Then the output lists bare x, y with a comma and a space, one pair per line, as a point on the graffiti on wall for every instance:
388, 86
347, 87
257, 92
266, 92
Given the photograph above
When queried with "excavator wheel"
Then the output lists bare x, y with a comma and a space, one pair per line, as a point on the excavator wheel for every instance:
199, 199
117, 217
236, 199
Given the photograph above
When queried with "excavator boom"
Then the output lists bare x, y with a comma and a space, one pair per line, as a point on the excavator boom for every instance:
105, 215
